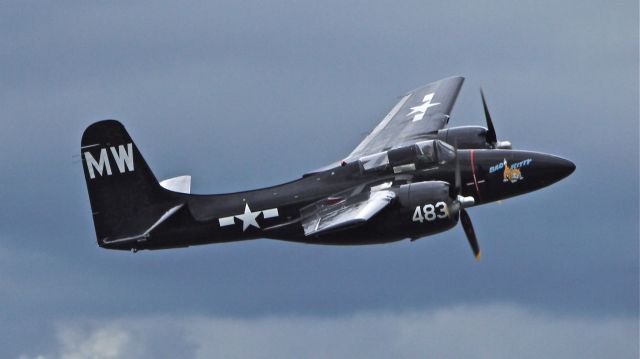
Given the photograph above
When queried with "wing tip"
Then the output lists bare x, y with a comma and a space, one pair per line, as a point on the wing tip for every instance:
455, 78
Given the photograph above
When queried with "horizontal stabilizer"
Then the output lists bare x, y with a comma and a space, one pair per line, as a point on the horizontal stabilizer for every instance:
145, 235
181, 184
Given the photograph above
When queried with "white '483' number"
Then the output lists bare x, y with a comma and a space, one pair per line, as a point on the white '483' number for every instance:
430, 212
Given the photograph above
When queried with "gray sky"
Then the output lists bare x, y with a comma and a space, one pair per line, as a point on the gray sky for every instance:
248, 94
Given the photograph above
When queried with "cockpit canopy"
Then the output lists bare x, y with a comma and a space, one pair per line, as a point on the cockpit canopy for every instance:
401, 159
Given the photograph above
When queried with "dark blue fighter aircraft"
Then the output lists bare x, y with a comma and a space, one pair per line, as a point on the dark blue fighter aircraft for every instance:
412, 176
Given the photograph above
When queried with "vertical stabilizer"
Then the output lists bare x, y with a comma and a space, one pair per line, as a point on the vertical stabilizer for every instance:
126, 199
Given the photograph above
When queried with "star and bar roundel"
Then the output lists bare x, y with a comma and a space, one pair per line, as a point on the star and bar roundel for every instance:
248, 218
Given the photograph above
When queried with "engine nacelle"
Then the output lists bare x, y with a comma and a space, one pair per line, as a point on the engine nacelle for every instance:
465, 137
470, 138
418, 210
426, 208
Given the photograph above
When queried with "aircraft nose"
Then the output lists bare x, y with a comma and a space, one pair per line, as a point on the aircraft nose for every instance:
552, 169
564, 167
509, 173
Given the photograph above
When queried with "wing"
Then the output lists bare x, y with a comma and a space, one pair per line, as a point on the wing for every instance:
417, 116
336, 213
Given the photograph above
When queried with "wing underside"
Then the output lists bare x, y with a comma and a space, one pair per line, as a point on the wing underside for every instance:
336, 213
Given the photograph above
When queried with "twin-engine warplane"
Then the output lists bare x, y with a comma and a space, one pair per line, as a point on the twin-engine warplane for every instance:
409, 178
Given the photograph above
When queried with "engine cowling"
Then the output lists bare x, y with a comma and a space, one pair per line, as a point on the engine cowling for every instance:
470, 137
465, 137
426, 208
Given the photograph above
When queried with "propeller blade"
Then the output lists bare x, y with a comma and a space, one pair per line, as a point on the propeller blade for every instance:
471, 234
458, 185
491, 131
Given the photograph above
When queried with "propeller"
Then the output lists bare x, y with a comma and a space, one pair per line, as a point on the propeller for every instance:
460, 203
491, 131
492, 139
471, 234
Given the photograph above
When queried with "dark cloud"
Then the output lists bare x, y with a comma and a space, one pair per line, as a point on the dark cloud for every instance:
489, 331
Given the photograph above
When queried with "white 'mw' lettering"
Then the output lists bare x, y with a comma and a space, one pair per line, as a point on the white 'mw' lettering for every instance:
100, 165
123, 157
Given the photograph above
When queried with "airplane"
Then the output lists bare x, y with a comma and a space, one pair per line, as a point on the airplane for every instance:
411, 177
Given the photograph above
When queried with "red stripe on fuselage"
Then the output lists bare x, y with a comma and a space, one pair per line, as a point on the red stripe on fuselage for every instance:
473, 173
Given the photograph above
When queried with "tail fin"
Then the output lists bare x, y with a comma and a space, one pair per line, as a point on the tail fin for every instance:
126, 199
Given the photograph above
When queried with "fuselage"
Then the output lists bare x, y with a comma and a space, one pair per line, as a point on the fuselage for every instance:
274, 212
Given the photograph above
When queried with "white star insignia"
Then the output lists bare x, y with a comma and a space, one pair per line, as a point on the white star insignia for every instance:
419, 111
248, 218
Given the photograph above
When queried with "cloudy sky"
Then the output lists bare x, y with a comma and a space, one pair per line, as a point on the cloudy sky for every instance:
243, 94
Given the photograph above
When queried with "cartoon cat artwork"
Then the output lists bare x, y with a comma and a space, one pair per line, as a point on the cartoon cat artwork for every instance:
511, 174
